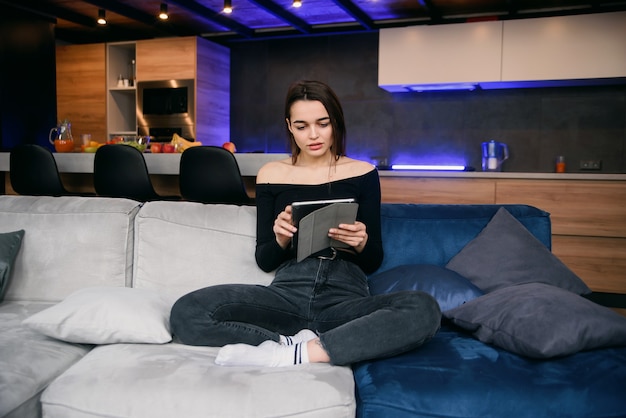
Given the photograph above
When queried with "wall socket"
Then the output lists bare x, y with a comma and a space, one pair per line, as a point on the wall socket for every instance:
590, 164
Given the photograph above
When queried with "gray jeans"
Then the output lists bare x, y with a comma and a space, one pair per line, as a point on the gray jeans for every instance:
330, 297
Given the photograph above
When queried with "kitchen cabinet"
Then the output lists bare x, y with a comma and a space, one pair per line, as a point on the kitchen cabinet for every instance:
563, 50
204, 63
444, 54
167, 59
81, 89
565, 47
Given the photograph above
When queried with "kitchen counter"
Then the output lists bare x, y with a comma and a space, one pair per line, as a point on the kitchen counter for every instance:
502, 175
250, 163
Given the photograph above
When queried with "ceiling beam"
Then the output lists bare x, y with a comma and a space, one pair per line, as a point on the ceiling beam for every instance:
284, 15
349, 7
206, 13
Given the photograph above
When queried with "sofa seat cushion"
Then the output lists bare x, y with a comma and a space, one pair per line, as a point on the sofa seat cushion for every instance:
455, 375
29, 361
175, 380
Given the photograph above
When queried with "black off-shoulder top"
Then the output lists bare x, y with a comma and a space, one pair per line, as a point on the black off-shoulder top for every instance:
271, 199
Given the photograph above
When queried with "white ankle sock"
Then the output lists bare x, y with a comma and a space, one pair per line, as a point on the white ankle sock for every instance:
302, 336
267, 354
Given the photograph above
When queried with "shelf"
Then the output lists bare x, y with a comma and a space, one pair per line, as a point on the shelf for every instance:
121, 101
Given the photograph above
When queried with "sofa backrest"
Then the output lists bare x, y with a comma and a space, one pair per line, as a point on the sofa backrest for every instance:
433, 234
69, 243
184, 246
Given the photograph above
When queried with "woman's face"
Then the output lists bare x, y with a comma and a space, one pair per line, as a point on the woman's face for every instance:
310, 126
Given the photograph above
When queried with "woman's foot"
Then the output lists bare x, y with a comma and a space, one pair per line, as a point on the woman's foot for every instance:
302, 336
267, 354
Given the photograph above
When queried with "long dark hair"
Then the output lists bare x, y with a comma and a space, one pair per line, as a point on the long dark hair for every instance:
318, 91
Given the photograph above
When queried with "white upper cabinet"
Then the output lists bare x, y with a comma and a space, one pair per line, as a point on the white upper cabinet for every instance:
529, 52
412, 57
567, 47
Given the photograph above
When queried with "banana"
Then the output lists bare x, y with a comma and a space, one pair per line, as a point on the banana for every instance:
182, 144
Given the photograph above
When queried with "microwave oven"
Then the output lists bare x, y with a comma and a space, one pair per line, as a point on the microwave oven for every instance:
166, 107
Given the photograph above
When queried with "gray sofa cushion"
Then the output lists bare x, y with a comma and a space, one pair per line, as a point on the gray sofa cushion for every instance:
184, 246
174, 380
95, 234
29, 361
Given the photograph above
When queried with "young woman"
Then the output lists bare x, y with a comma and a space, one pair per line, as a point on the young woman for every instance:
324, 300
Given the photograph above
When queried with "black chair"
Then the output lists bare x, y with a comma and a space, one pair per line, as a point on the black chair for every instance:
33, 171
121, 171
210, 174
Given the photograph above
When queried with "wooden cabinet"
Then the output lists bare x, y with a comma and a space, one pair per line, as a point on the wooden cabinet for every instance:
167, 59
588, 216
81, 89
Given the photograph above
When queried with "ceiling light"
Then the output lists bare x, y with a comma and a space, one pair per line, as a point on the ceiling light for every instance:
163, 12
297, 3
228, 8
102, 20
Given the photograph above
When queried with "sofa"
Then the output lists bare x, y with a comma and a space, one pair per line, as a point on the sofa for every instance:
88, 282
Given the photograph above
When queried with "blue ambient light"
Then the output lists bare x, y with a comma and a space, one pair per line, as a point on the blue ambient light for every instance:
428, 167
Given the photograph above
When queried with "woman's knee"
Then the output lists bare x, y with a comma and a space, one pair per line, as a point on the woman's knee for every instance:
425, 313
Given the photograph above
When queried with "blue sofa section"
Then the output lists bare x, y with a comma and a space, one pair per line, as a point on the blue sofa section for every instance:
456, 375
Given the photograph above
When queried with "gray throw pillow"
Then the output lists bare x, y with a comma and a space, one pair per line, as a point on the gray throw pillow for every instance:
505, 253
540, 321
10, 243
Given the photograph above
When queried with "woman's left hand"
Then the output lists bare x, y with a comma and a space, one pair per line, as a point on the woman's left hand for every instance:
355, 235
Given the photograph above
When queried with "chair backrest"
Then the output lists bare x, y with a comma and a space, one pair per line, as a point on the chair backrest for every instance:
121, 171
33, 171
210, 174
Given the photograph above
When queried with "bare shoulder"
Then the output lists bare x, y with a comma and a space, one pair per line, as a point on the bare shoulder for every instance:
274, 171
349, 167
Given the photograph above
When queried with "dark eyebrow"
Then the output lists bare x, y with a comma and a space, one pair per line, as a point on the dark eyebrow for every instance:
319, 120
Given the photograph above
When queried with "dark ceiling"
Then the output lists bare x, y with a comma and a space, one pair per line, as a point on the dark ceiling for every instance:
257, 19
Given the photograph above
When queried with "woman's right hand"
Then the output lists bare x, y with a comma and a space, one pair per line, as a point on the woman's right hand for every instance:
283, 228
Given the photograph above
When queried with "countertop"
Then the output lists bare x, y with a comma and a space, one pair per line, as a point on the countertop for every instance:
250, 163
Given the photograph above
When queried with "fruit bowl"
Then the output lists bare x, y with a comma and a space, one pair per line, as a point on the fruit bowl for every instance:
139, 142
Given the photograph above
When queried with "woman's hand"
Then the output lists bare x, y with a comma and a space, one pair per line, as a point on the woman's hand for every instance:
283, 228
355, 235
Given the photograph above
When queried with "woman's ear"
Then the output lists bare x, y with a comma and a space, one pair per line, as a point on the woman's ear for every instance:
289, 125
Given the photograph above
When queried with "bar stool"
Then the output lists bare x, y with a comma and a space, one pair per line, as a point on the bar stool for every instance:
121, 171
33, 171
210, 174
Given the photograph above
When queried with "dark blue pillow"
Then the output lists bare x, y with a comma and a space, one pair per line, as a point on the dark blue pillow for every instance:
450, 289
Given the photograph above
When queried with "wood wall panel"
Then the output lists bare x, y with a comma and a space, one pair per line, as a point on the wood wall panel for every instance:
589, 208
429, 190
600, 262
81, 89
166, 59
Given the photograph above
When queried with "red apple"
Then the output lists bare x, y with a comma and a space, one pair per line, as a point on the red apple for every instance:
155, 147
229, 146
168, 148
